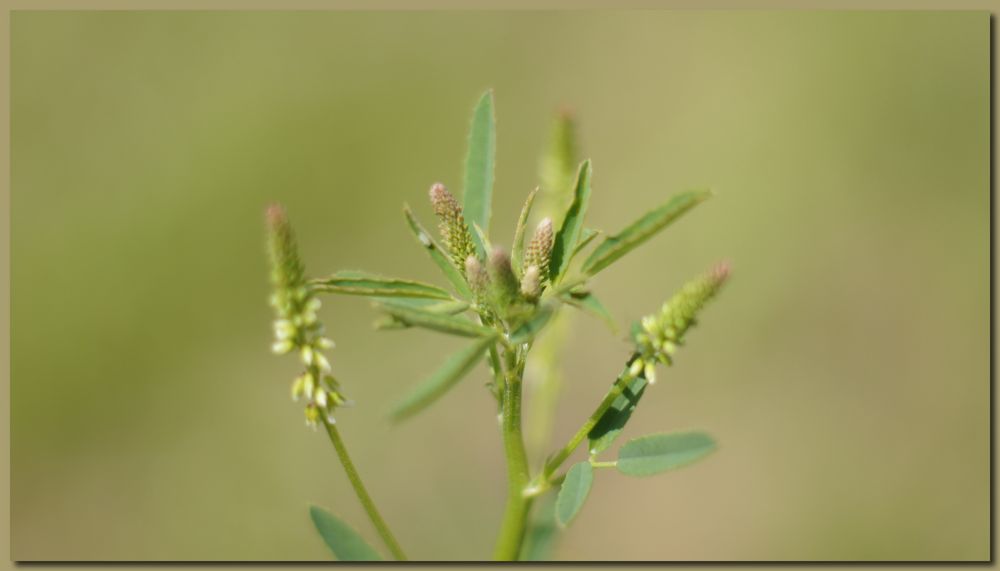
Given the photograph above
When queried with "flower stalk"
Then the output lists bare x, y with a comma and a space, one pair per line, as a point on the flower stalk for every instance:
359, 489
297, 328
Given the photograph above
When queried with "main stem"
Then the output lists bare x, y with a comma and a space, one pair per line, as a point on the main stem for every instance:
515, 517
359, 489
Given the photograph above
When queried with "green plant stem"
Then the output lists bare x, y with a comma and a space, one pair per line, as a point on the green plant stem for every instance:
515, 516
359, 489
559, 457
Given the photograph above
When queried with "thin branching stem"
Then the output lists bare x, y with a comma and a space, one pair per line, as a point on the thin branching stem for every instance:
543, 480
359, 489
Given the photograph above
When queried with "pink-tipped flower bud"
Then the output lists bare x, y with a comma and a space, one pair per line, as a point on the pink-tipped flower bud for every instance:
451, 223
539, 251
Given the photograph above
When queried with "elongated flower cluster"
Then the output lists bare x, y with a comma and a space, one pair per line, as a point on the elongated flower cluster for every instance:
297, 327
451, 222
537, 259
661, 333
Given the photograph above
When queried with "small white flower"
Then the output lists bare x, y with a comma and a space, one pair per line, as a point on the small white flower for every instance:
307, 355
636, 367
283, 329
321, 398
308, 385
649, 323
298, 388
281, 347
324, 343
321, 361
651, 373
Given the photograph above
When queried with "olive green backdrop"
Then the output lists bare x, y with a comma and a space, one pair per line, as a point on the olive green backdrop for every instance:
844, 370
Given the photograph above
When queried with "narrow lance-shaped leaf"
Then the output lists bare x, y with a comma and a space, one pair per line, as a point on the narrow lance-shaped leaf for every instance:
573, 492
429, 390
389, 322
616, 246
572, 225
479, 167
658, 453
586, 237
517, 250
452, 324
482, 238
436, 254
343, 541
611, 423
360, 283
588, 302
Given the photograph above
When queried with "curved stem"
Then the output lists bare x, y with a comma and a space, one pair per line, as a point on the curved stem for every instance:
359, 489
559, 457
515, 518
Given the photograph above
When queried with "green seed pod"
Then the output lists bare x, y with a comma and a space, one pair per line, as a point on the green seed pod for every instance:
451, 223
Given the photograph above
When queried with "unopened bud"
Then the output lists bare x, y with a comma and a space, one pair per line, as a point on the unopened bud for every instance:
286, 268
539, 251
503, 283
475, 274
451, 223
531, 283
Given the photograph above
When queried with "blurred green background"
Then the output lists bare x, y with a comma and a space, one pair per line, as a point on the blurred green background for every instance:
844, 370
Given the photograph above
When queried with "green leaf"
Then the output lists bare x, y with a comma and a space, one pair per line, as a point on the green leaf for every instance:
616, 246
389, 322
343, 541
431, 388
611, 423
572, 225
527, 331
360, 283
420, 317
573, 492
588, 302
586, 237
481, 238
540, 538
657, 453
437, 255
450, 307
517, 250
479, 166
